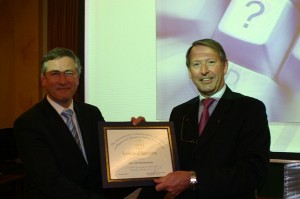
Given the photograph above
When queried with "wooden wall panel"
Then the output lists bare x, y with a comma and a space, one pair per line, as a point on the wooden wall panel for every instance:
19, 63
6, 61
28, 28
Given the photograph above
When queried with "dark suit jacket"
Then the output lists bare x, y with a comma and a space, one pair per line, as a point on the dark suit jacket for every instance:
54, 165
231, 157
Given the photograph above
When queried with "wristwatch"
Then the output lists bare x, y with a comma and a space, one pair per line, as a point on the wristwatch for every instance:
193, 180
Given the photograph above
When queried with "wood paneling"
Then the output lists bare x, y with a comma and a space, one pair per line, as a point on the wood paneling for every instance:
28, 28
19, 64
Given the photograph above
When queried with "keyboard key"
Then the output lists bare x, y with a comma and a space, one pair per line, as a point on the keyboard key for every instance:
257, 34
289, 74
280, 108
189, 20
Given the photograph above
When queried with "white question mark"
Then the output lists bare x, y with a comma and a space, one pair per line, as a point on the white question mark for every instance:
261, 10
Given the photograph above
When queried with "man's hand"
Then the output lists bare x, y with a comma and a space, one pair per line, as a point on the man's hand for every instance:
174, 183
137, 121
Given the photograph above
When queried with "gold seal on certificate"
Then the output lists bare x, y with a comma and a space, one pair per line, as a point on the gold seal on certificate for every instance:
135, 155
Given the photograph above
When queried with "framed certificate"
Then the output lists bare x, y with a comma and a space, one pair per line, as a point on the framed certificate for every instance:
135, 155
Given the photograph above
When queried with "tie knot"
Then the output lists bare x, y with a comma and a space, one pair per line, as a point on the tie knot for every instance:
67, 113
207, 102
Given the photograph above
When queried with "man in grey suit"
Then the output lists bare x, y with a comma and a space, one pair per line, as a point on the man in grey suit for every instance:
57, 165
229, 158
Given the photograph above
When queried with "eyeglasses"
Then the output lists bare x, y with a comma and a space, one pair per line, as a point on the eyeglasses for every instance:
55, 74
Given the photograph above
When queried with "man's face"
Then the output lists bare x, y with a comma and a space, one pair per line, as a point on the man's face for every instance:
61, 80
206, 70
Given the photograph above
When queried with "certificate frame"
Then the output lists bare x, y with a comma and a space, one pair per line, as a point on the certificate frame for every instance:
133, 156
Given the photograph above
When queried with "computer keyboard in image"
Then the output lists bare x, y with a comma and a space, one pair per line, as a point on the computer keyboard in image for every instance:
262, 42
259, 35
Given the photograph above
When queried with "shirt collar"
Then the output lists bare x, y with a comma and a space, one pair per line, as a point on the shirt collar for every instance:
58, 107
216, 96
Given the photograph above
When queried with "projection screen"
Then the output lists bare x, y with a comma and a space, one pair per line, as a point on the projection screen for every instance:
135, 57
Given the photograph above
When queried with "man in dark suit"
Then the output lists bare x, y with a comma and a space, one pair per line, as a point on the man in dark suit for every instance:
229, 158
59, 164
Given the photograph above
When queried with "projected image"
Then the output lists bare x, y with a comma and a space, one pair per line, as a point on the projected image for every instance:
262, 42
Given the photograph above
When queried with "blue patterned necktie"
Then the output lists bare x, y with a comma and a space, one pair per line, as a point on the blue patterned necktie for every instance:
67, 114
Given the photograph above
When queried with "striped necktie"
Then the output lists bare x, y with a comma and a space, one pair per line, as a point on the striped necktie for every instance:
67, 114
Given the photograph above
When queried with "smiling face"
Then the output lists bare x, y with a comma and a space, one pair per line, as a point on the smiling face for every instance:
206, 70
61, 80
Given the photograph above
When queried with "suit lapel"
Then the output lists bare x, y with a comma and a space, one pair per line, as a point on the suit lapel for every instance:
58, 128
189, 127
53, 119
